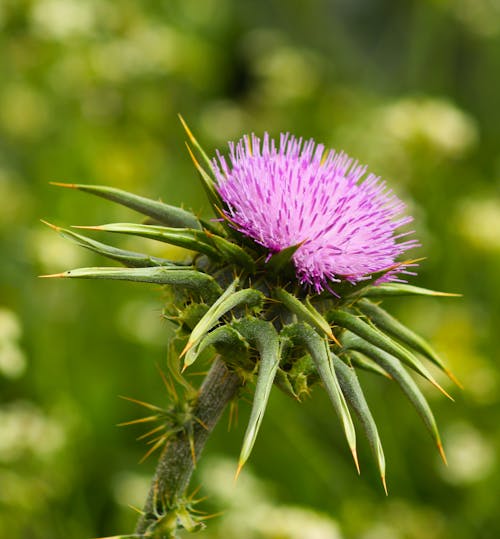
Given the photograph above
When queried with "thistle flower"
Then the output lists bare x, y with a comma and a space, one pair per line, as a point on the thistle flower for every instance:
292, 216
300, 194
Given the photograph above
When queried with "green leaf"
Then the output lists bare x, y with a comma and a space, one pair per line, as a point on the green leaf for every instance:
228, 342
171, 216
382, 341
354, 394
227, 301
368, 365
202, 283
264, 338
280, 260
306, 313
232, 253
194, 240
403, 379
195, 143
322, 357
387, 323
401, 289
127, 258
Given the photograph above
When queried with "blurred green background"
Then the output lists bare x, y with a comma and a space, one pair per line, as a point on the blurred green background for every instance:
89, 92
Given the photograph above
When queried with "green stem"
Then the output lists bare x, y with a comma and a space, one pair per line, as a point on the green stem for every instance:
176, 466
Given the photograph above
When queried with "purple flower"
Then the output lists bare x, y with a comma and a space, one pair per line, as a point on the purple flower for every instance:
300, 193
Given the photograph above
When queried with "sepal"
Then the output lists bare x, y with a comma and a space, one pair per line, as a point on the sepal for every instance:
226, 302
165, 214
383, 342
264, 338
391, 364
202, 283
387, 323
322, 357
192, 239
130, 259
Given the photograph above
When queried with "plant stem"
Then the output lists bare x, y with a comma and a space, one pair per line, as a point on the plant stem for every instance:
176, 465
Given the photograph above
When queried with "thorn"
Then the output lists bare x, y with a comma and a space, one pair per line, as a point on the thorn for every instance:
150, 432
194, 493
186, 349
69, 185
95, 227
443, 391
136, 509
193, 451
214, 515
454, 379
238, 471
158, 444
54, 275
382, 476
184, 367
169, 386
333, 338
186, 128
138, 421
200, 422
356, 461
191, 154
441, 452
142, 403
50, 225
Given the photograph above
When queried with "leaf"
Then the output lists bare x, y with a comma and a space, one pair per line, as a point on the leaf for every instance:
226, 338
127, 258
382, 341
264, 338
227, 301
354, 394
194, 142
171, 216
305, 313
401, 289
280, 260
322, 357
231, 252
387, 323
403, 379
202, 283
182, 237
368, 365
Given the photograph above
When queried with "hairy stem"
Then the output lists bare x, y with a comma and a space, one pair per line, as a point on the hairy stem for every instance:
176, 466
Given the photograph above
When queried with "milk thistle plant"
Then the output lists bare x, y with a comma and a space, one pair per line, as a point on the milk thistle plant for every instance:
284, 289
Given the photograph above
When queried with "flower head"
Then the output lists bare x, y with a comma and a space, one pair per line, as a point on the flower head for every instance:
298, 193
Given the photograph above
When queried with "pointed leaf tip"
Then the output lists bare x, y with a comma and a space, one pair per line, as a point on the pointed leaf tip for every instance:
441, 452
50, 225
238, 470
384, 484
356, 460
68, 185
54, 275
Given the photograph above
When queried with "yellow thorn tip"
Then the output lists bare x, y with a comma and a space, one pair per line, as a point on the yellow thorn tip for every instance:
442, 453
50, 225
69, 185
238, 471
356, 461
454, 379
382, 476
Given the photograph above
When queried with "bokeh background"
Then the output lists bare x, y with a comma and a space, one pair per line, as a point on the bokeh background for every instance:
89, 92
